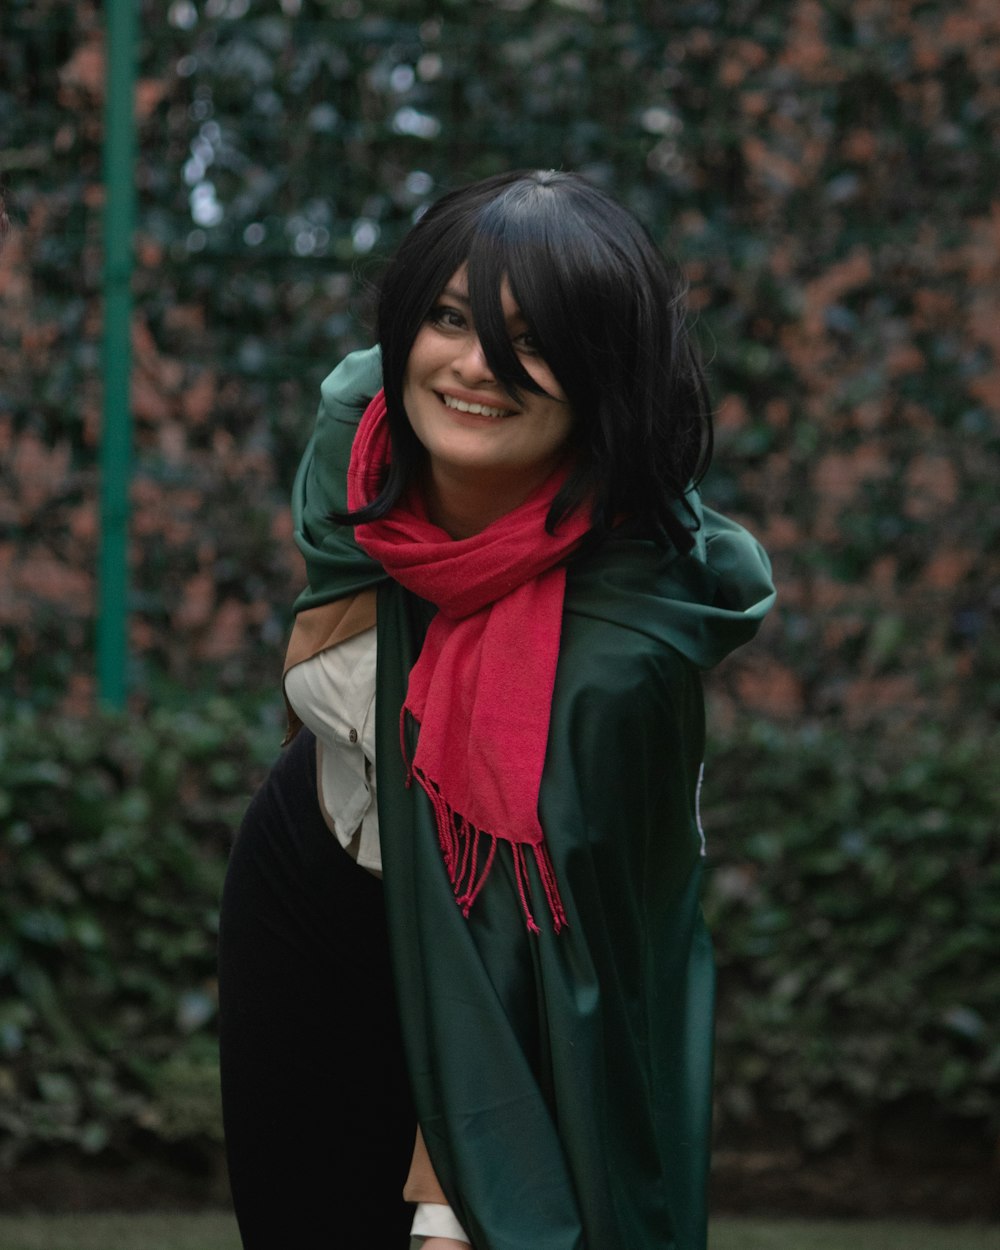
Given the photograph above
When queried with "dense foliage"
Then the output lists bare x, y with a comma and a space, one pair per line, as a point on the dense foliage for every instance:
115, 836
824, 171
826, 174
856, 928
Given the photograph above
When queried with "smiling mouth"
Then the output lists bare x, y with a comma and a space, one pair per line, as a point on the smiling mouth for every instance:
476, 410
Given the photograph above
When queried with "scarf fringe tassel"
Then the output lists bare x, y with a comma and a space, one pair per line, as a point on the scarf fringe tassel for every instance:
460, 846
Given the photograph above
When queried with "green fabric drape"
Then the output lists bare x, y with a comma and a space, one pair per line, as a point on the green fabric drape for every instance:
563, 1083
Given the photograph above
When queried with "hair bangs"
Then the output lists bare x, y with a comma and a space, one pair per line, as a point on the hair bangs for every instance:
488, 264
536, 235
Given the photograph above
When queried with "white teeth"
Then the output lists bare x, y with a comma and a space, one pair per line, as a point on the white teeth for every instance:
478, 410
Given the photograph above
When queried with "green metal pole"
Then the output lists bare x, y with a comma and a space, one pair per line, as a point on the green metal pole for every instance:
116, 435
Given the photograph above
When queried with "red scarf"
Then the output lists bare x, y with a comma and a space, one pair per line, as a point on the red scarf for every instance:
481, 689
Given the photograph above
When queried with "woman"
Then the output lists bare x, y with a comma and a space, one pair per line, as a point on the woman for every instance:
513, 517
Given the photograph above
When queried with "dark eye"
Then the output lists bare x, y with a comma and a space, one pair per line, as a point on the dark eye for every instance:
526, 344
446, 318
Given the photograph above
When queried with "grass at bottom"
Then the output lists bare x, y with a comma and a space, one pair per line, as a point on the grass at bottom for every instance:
209, 1230
738, 1234
216, 1230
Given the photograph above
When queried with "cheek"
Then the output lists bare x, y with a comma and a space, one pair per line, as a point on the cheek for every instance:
558, 417
417, 360
565, 421
546, 379
417, 367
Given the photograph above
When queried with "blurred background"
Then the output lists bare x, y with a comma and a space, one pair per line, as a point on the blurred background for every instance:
827, 175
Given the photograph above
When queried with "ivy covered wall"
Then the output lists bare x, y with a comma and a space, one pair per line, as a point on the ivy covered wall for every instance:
826, 174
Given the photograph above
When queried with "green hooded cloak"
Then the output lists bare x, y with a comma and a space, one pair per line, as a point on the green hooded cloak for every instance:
562, 1082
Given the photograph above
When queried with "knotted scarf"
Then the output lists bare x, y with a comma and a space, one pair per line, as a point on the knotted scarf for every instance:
481, 689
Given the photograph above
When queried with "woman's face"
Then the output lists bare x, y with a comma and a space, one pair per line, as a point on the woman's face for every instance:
469, 426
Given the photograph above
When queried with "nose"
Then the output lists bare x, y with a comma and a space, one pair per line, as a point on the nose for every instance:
470, 363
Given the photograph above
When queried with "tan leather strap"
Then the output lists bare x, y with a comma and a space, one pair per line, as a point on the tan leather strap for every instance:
324, 626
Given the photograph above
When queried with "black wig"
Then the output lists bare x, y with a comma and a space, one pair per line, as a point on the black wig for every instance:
608, 315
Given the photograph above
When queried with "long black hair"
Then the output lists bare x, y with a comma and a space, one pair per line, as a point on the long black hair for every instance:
607, 312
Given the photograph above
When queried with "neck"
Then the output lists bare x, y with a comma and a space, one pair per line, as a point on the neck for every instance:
464, 507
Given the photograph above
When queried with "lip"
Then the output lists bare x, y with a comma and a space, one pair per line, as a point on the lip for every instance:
470, 397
